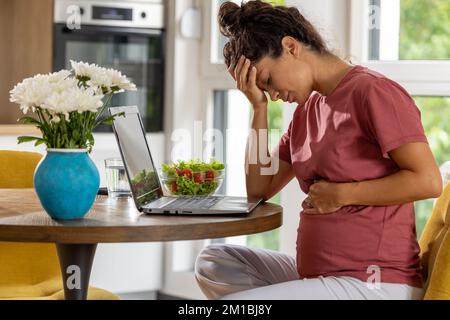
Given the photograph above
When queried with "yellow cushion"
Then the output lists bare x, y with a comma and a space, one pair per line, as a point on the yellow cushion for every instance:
50, 289
30, 270
17, 169
435, 250
27, 263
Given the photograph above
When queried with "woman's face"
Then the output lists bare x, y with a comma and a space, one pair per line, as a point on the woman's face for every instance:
287, 78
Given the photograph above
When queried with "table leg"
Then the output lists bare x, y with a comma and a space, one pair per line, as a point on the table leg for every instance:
76, 263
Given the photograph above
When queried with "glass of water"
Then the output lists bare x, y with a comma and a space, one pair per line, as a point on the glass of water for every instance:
116, 179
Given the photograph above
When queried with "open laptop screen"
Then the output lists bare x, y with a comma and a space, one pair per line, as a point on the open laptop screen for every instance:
141, 171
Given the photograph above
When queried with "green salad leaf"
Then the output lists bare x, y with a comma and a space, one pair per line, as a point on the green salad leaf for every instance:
193, 177
144, 182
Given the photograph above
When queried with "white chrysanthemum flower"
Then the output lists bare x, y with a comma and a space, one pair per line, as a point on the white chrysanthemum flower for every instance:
60, 103
58, 76
88, 100
85, 70
60, 94
102, 78
63, 85
120, 81
31, 92
73, 99
109, 80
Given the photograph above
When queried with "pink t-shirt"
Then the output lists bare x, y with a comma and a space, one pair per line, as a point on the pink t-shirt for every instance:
346, 137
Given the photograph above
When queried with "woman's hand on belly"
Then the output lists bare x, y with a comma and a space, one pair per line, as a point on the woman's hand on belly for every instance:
418, 178
324, 198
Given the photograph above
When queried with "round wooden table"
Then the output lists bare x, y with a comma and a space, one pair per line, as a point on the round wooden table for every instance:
22, 219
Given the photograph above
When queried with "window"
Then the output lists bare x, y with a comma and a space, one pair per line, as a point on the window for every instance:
222, 107
407, 40
435, 118
404, 41
218, 41
409, 30
212, 60
232, 116
229, 109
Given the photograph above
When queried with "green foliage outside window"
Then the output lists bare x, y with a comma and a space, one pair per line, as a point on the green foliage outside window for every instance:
425, 30
270, 240
424, 35
435, 119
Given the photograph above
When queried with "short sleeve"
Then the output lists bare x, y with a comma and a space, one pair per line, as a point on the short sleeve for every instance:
393, 119
283, 150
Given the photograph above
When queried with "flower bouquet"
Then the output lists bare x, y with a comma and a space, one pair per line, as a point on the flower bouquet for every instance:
68, 104
67, 107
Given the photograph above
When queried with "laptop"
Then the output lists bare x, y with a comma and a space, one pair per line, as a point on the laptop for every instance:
149, 196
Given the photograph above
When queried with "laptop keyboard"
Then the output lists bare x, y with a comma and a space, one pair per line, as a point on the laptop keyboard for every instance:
193, 203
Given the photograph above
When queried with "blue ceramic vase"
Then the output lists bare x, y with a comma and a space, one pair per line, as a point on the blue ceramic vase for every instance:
67, 182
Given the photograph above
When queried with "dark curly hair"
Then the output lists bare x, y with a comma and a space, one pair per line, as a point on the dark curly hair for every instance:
255, 29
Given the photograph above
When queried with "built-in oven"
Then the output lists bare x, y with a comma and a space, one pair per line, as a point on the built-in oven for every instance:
125, 35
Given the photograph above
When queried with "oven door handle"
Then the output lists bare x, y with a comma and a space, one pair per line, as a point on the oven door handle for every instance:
108, 30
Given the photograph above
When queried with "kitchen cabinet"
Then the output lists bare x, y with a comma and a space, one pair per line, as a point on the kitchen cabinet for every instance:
26, 34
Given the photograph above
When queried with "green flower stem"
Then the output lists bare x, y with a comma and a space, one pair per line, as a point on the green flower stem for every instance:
108, 101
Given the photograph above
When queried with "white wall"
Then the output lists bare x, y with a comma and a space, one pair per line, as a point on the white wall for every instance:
186, 87
331, 18
120, 268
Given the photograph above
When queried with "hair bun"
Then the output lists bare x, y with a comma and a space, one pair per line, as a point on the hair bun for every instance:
230, 19
256, 29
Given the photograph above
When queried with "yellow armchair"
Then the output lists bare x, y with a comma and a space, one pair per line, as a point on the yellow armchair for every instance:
435, 250
30, 271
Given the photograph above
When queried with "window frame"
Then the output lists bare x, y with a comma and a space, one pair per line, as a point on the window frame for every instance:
210, 77
419, 77
210, 69
215, 77
427, 78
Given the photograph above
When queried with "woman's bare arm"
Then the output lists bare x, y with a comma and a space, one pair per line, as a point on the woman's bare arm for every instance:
265, 175
264, 180
418, 179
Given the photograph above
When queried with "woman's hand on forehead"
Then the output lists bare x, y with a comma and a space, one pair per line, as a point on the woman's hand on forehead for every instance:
236, 68
245, 75
233, 70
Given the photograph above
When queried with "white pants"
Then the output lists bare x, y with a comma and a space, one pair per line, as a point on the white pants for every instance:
233, 272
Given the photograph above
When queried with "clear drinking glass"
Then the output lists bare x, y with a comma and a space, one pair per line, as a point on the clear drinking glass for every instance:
116, 179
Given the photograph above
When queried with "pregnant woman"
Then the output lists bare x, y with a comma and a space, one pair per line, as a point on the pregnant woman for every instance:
358, 149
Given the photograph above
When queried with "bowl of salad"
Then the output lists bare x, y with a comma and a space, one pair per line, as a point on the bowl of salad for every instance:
192, 178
